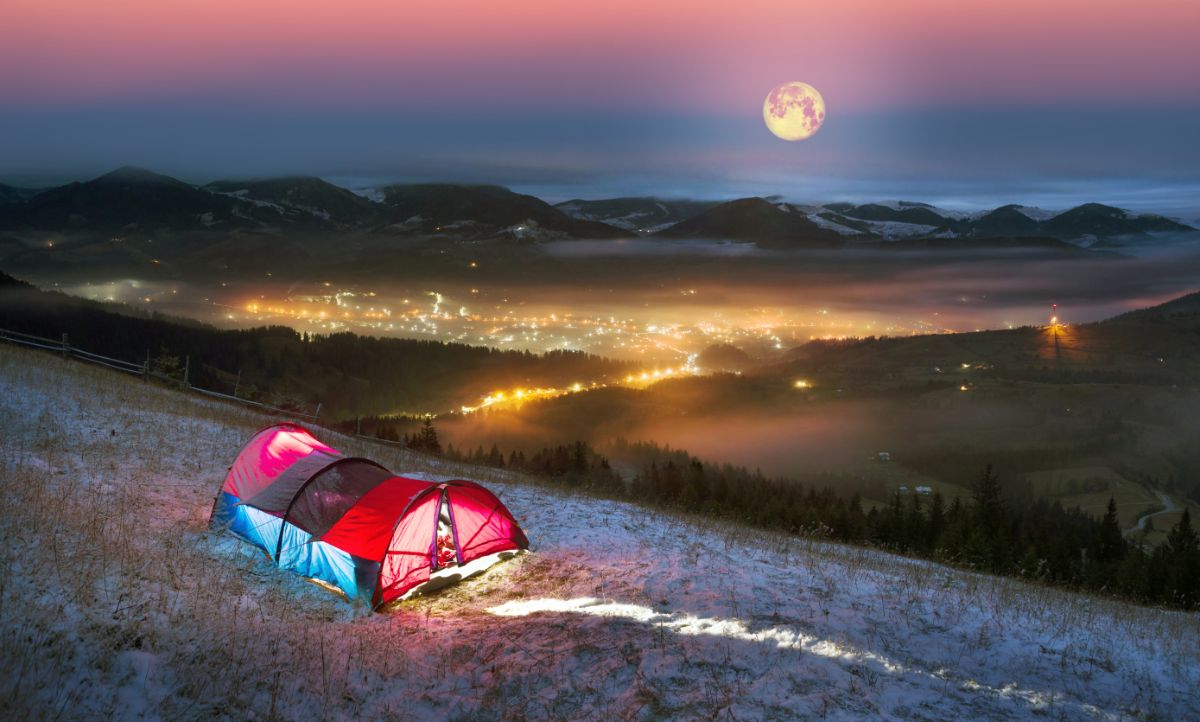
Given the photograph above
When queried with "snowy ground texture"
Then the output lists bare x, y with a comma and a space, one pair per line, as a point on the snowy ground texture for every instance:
115, 602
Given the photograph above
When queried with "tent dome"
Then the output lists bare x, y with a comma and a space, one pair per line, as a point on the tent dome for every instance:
352, 524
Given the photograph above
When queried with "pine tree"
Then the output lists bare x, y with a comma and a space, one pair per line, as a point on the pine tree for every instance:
937, 522
495, 457
988, 504
427, 439
1182, 538
1183, 560
1111, 545
987, 542
579, 459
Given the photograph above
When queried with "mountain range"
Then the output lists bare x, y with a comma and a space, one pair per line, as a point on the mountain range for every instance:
136, 200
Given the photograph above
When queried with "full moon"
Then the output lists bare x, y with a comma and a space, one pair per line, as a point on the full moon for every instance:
794, 111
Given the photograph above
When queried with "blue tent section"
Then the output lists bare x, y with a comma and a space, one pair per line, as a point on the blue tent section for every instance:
291, 547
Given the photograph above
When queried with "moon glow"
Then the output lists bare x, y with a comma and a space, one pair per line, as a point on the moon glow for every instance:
794, 111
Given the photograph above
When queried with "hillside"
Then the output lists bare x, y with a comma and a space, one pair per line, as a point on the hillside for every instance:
125, 197
301, 200
13, 194
643, 215
618, 612
1154, 346
1087, 221
351, 375
134, 201
755, 220
483, 211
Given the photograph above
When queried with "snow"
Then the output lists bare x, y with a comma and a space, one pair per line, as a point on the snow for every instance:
617, 613
900, 229
282, 209
376, 195
632, 221
830, 225
1037, 214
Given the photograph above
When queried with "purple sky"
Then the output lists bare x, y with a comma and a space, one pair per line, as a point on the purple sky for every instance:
947, 101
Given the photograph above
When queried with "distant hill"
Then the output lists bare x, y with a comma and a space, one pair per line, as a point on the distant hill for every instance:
1183, 311
126, 197
642, 215
724, 357
756, 220
904, 212
483, 211
301, 200
1003, 221
1101, 221
1091, 220
1157, 346
13, 194
131, 199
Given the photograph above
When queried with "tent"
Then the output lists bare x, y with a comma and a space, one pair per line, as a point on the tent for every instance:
350, 523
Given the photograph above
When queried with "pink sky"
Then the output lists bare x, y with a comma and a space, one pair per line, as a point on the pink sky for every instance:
622, 55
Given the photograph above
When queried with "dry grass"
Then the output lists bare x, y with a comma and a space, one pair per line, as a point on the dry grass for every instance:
109, 562
116, 602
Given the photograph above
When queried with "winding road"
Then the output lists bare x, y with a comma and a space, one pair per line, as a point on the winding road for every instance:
1169, 506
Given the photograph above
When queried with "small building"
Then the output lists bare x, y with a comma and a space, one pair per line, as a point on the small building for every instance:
924, 490
885, 456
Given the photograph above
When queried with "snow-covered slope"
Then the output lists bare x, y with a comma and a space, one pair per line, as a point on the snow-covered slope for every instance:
117, 603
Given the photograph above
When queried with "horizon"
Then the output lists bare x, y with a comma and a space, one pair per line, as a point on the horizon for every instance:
930, 101
1177, 201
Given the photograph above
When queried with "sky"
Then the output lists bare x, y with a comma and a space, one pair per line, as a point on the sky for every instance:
960, 102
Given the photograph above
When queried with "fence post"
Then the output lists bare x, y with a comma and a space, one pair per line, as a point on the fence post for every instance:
65, 346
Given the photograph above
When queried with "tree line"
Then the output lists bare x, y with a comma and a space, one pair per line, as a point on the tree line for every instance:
991, 531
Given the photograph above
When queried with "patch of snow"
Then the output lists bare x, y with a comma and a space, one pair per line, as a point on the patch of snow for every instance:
1037, 214
373, 194
958, 215
899, 229
244, 195
833, 226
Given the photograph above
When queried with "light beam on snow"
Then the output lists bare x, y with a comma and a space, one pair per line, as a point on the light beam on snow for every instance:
691, 625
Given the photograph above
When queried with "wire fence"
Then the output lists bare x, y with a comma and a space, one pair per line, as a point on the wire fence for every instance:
144, 369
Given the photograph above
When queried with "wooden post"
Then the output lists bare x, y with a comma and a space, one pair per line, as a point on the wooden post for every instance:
65, 345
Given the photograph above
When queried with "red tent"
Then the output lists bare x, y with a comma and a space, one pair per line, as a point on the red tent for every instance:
353, 524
